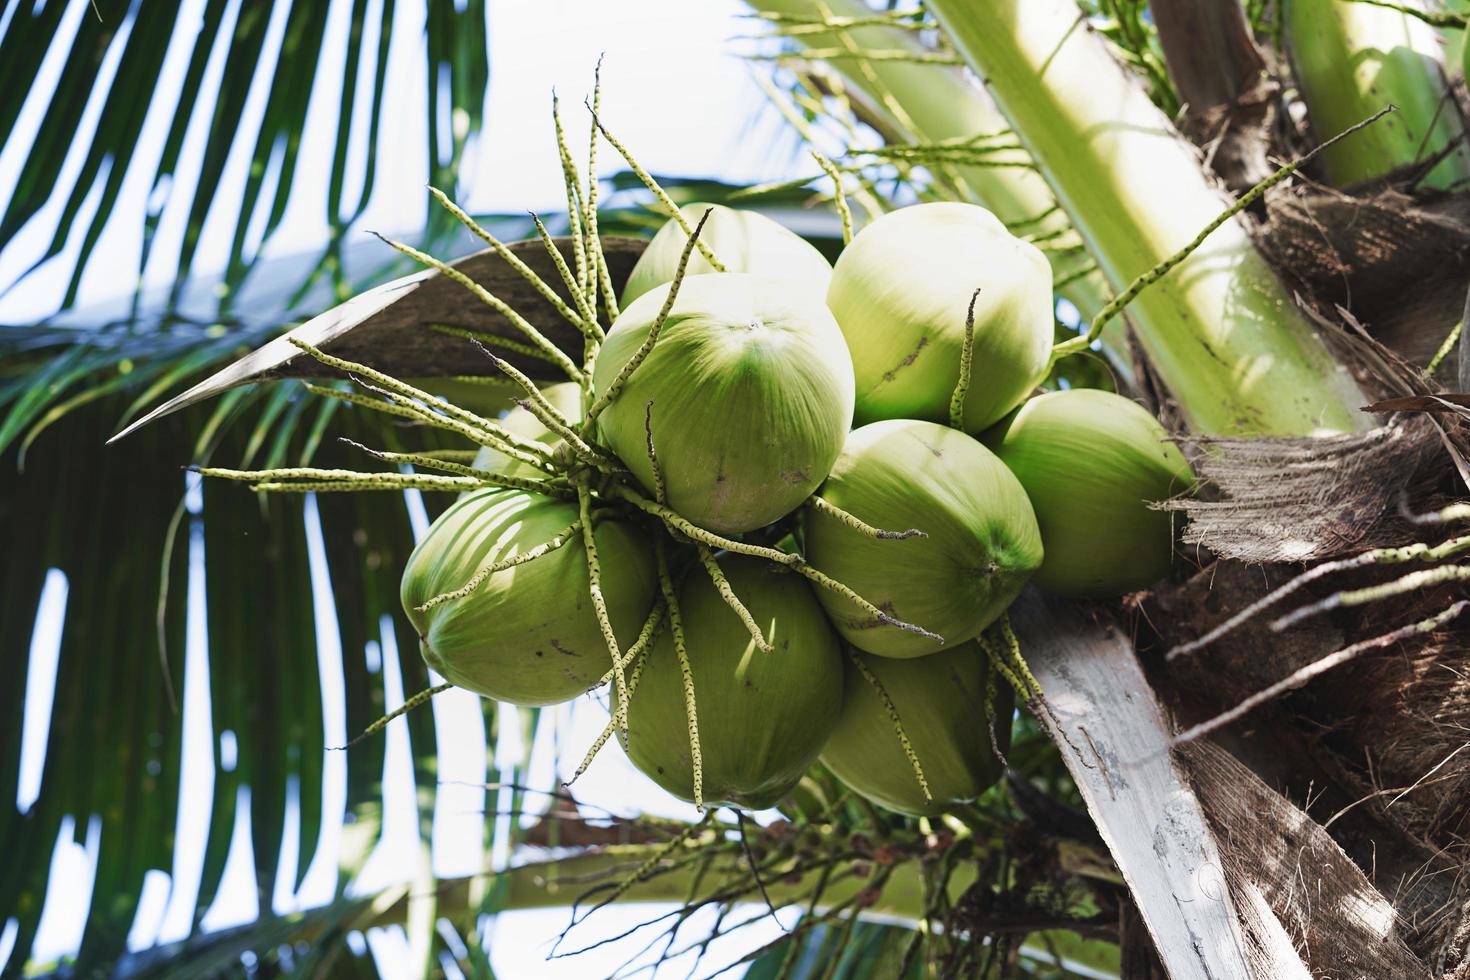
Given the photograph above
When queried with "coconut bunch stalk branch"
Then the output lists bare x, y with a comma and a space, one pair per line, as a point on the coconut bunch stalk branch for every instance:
423, 697
315, 478
823, 506
633, 663
556, 541
580, 320
601, 276
1317, 668
574, 192
599, 607
839, 196
1351, 59
681, 651
438, 462
657, 191
1220, 324
675, 522
493, 340
588, 315
552, 352
892, 711
967, 355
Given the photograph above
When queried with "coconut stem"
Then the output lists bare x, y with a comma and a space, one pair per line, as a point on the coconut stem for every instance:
892, 710
338, 479
727, 593
1142, 282
967, 353
535, 336
438, 462
1417, 551
398, 481
660, 492
635, 658
545, 412
515, 346
1376, 593
510, 258
839, 197
600, 274
615, 387
823, 506
657, 191
353, 398
588, 317
574, 190
791, 560
423, 697
645, 869
470, 424
485, 571
681, 651
599, 606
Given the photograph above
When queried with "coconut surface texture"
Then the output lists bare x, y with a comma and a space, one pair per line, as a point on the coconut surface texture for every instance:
763, 717
751, 386
981, 543
565, 397
1092, 462
528, 635
743, 241
941, 704
901, 290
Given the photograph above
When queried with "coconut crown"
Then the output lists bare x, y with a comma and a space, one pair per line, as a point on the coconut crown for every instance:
980, 542
940, 701
526, 635
1093, 463
901, 291
743, 241
751, 390
763, 716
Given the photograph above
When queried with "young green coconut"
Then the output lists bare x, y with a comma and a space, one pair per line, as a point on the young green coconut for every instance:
980, 541
1092, 463
565, 397
900, 292
526, 633
762, 717
741, 241
940, 703
751, 390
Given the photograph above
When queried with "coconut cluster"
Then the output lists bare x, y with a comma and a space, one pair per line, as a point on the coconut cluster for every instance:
789, 505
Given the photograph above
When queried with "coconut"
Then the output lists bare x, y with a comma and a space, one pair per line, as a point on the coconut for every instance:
981, 542
763, 717
940, 702
1092, 463
751, 386
565, 397
528, 634
901, 291
743, 241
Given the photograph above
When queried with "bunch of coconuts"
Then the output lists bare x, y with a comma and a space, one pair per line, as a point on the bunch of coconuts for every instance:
774, 403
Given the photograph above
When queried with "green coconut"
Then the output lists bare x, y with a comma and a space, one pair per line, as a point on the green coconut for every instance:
1092, 463
743, 241
940, 702
763, 717
565, 397
981, 542
528, 634
901, 291
751, 386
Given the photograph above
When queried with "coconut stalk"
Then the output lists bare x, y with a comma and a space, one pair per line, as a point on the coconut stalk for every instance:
929, 103
1219, 329
1352, 59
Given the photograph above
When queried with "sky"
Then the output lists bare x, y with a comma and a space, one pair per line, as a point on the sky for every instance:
688, 107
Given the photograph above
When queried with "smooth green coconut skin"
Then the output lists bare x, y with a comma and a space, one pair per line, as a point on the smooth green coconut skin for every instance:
763, 717
528, 635
1092, 462
751, 385
565, 397
982, 541
940, 701
743, 241
901, 290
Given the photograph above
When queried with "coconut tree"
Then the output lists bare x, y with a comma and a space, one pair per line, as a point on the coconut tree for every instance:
1243, 228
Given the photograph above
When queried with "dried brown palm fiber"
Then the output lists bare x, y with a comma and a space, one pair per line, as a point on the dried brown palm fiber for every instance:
1292, 500
1400, 263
